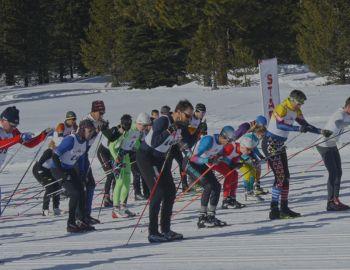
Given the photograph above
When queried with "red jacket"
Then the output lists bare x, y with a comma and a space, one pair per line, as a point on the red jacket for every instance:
7, 141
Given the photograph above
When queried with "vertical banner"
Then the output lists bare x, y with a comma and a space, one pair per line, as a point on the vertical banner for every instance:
269, 85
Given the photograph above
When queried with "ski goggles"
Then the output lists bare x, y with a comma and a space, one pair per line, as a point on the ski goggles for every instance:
297, 101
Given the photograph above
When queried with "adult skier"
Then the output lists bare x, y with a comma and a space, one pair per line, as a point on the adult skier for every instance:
155, 167
331, 157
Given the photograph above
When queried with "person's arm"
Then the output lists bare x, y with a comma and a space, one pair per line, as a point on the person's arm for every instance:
242, 129
279, 113
160, 131
204, 145
7, 143
305, 125
45, 156
36, 140
114, 149
67, 144
111, 134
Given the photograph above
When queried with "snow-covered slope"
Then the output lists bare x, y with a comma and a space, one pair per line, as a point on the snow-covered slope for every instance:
318, 240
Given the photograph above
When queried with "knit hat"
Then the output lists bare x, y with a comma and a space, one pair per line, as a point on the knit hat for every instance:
11, 114
98, 106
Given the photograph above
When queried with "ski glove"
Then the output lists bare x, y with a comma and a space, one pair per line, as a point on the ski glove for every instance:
104, 125
26, 136
327, 133
49, 131
236, 166
203, 128
303, 129
172, 129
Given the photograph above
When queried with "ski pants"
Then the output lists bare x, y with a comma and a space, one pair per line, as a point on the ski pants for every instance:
122, 183
231, 179
210, 184
332, 161
138, 179
276, 153
106, 159
74, 187
163, 196
89, 189
44, 177
177, 155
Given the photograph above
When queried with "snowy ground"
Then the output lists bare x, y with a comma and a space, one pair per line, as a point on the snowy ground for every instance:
318, 240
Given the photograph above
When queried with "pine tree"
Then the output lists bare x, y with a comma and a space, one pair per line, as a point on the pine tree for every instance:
324, 38
98, 49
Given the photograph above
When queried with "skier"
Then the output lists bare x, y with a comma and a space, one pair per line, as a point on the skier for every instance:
42, 173
68, 165
250, 170
10, 135
106, 159
331, 158
98, 109
208, 152
281, 123
258, 126
176, 152
154, 164
69, 126
121, 150
154, 115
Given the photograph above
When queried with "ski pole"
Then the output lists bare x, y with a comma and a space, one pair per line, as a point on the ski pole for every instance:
151, 194
25, 173
11, 158
194, 182
318, 162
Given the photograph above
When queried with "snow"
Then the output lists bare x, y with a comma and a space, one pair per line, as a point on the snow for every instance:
317, 240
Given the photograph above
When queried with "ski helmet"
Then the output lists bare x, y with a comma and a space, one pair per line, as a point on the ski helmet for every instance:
165, 110
71, 115
228, 132
200, 107
261, 120
297, 96
249, 140
86, 123
143, 119
126, 121
11, 114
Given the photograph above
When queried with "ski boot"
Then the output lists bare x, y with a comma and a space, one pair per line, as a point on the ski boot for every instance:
73, 228
332, 206
84, 226
172, 236
212, 221
157, 238
57, 212
342, 206
258, 190
275, 212
45, 213
286, 212
107, 202
92, 221
201, 220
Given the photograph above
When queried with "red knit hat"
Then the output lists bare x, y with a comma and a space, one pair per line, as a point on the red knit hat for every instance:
98, 106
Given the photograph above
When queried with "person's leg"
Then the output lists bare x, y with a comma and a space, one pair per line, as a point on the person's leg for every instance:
147, 170
168, 186
105, 159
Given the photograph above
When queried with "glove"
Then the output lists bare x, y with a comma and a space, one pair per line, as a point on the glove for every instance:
26, 136
172, 129
237, 165
49, 131
327, 133
203, 128
303, 129
214, 160
104, 125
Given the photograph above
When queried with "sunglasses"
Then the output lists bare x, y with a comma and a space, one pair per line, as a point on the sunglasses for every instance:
227, 139
187, 115
13, 124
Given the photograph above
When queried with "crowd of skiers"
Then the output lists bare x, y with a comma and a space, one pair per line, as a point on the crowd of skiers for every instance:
143, 150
